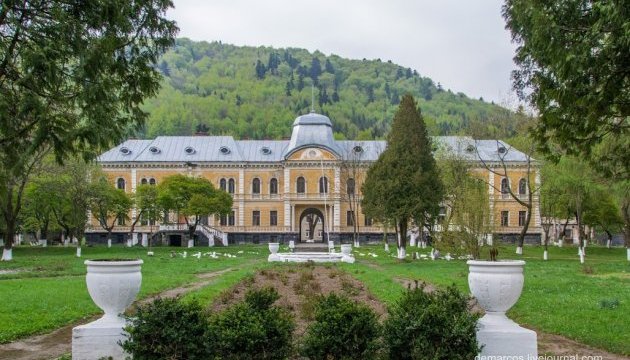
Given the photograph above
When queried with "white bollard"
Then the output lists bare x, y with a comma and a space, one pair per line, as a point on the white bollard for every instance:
78, 252
109, 243
545, 256
331, 246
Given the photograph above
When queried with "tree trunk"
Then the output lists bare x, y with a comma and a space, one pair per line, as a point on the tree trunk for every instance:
578, 219
9, 235
625, 212
402, 238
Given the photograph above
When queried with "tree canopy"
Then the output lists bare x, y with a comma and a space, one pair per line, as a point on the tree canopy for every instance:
73, 77
192, 198
574, 68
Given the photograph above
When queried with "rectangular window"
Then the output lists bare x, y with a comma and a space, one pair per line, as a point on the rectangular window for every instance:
319, 234
368, 221
350, 218
223, 220
121, 220
256, 218
307, 233
231, 218
273, 218
505, 216
521, 218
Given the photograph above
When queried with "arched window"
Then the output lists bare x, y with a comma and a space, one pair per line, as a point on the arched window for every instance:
120, 183
301, 185
231, 186
323, 185
256, 186
151, 181
350, 186
223, 184
505, 185
143, 181
522, 187
273, 186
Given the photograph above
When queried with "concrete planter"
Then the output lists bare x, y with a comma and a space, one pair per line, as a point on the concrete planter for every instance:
497, 285
273, 248
113, 285
346, 249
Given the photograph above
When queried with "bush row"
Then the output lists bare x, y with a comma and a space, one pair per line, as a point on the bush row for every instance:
419, 326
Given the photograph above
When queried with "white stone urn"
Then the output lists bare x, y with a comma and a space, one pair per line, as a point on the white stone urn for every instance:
113, 286
273, 248
346, 249
497, 285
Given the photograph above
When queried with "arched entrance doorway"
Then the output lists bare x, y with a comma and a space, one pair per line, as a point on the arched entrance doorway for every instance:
312, 226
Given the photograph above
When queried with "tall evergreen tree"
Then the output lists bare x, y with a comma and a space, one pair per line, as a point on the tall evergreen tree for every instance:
329, 67
316, 69
404, 183
260, 69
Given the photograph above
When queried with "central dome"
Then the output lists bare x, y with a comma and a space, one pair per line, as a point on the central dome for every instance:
312, 130
312, 119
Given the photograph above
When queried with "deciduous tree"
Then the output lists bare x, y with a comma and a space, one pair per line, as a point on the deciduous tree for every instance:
192, 198
73, 77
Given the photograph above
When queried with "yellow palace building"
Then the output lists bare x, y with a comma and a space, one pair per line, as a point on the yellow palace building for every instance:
300, 189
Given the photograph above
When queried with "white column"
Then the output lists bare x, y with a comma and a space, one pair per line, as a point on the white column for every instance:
241, 202
133, 190
287, 214
287, 181
491, 195
241, 213
241, 181
337, 216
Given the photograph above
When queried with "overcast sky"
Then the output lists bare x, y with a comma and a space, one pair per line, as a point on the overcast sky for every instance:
462, 44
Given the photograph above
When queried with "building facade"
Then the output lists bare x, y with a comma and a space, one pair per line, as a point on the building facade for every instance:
305, 189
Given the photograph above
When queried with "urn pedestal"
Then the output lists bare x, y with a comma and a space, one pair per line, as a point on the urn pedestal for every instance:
273, 249
113, 286
346, 251
497, 285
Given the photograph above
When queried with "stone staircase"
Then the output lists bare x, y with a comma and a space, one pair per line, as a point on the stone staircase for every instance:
311, 247
213, 235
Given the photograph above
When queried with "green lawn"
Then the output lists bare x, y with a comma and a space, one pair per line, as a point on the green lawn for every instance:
49, 290
560, 295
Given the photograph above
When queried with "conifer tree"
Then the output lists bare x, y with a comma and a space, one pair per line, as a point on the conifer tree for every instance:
404, 183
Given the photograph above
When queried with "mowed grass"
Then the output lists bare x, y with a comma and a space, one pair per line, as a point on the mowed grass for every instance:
588, 303
560, 296
48, 289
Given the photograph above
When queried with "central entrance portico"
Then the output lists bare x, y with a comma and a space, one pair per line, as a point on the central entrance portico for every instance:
312, 226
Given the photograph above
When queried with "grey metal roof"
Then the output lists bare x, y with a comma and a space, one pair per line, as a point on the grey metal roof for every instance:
312, 130
262, 150
308, 130
115, 155
474, 150
361, 150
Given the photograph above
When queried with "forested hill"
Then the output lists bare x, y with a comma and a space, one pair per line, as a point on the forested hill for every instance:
256, 92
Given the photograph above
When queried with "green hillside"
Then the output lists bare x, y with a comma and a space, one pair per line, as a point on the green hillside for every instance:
256, 92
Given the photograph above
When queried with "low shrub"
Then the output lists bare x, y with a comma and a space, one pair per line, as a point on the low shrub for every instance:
167, 329
252, 329
432, 326
342, 329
